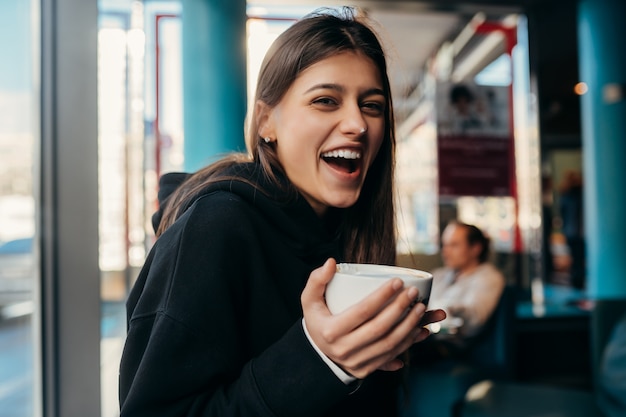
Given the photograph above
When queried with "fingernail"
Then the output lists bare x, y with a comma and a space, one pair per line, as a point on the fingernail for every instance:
412, 293
397, 284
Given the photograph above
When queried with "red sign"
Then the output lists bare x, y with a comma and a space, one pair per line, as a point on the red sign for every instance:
474, 165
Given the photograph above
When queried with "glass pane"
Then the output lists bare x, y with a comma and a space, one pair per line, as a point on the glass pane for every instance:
19, 331
137, 141
119, 93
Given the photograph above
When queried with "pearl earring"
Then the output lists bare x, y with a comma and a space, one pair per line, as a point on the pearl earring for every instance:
267, 139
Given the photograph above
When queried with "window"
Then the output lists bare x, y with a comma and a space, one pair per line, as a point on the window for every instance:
19, 139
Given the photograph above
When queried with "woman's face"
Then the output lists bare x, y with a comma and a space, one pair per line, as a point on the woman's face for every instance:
328, 128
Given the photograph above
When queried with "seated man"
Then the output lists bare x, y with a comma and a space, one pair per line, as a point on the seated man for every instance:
468, 287
443, 367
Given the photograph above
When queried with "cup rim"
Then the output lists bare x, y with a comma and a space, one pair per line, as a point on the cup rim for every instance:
372, 270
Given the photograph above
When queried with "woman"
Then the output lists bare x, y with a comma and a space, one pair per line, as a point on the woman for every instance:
227, 317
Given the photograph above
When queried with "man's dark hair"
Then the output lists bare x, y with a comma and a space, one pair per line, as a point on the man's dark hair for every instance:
476, 236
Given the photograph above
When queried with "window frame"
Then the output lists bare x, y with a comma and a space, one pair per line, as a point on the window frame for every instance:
68, 209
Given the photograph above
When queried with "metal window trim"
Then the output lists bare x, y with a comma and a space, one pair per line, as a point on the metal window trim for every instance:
70, 299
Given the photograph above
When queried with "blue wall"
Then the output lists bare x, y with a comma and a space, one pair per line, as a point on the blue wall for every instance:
602, 32
214, 79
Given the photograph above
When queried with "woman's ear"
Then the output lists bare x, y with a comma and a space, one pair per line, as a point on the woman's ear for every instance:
264, 120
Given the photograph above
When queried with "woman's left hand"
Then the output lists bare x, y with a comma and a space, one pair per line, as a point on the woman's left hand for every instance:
370, 335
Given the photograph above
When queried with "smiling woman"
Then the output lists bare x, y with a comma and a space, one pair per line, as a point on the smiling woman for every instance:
327, 135
235, 282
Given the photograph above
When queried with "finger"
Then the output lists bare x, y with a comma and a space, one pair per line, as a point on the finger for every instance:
389, 360
423, 335
355, 326
392, 315
432, 316
373, 355
313, 293
397, 363
392, 366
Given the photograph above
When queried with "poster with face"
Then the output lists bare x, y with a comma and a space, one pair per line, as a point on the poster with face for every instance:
467, 109
474, 140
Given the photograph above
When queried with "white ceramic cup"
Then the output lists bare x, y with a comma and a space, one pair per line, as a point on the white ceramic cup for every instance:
353, 282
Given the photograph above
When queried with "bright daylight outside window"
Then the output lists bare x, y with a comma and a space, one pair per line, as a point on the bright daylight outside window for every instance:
137, 140
19, 138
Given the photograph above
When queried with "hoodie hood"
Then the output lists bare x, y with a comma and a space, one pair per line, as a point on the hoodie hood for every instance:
282, 206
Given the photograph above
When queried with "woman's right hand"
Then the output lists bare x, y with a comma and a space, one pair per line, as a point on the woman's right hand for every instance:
370, 335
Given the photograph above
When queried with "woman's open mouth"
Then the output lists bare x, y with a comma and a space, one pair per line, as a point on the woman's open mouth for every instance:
343, 160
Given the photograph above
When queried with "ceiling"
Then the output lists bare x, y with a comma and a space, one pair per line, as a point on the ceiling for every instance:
410, 39
411, 32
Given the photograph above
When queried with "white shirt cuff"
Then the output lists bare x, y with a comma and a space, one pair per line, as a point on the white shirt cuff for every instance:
340, 373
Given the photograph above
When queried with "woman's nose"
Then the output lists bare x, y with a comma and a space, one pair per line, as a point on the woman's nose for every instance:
353, 122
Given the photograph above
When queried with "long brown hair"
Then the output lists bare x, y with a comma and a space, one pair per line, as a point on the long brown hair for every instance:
368, 227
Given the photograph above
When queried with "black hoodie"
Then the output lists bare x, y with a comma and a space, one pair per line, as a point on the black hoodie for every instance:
214, 319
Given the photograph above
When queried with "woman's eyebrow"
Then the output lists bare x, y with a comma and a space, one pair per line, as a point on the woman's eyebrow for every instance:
341, 89
375, 91
326, 86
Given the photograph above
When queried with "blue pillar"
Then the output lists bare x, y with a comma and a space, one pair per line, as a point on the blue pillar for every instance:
601, 32
214, 79
603, 67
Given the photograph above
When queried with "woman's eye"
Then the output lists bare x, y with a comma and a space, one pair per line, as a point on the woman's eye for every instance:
326, 101
373, 107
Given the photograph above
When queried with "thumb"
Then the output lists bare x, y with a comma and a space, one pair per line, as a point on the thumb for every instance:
319, 278
326, 272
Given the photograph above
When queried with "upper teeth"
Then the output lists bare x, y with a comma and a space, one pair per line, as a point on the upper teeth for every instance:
342, 154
